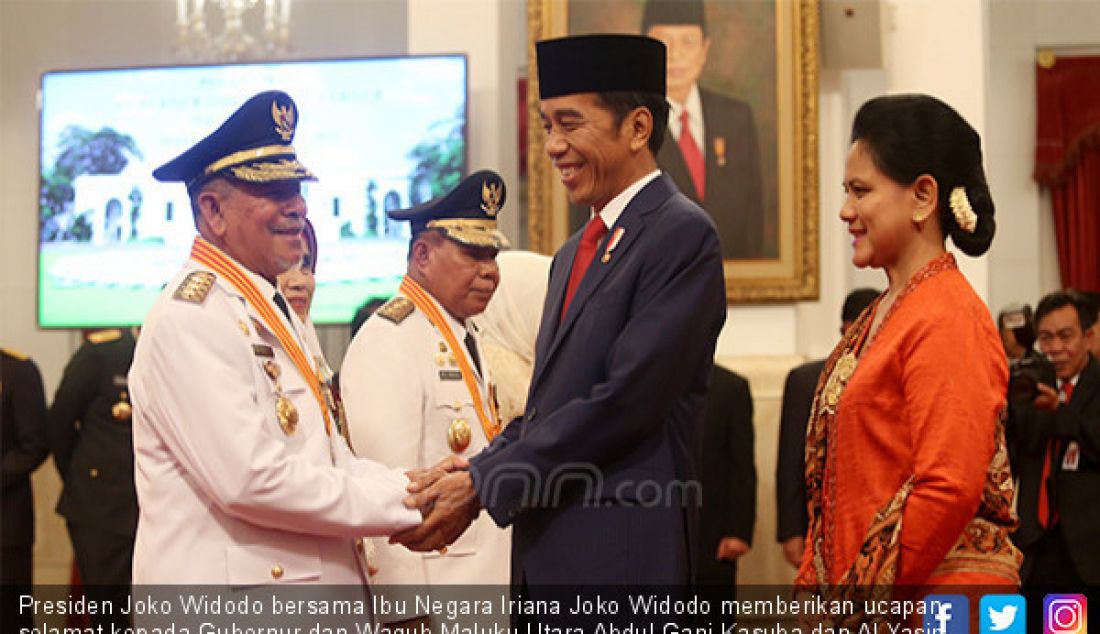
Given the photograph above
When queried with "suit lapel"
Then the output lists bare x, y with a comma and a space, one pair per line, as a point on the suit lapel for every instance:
1087, 386
555, 297
632, 221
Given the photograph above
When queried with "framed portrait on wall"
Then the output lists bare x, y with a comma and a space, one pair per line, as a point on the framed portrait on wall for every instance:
742, 133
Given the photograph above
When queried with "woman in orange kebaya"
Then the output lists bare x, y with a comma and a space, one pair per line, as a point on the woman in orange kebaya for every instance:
906, 469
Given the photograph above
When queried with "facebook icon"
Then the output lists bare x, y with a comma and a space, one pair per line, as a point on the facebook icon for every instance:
946, 614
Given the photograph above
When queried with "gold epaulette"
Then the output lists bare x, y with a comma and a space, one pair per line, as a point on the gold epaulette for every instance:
18, 356
397, 309
195, 286
104, 336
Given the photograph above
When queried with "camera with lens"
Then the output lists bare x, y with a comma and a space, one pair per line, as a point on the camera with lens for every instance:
1026, 373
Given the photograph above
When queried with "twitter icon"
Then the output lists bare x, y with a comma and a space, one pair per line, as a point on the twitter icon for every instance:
1003, 614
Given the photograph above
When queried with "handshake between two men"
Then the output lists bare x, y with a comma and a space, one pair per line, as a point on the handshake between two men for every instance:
444, 494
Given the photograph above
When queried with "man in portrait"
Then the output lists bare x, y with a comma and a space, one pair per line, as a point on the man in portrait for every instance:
711, 149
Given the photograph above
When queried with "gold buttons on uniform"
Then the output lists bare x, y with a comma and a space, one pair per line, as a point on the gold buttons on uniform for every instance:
458, 435
93, 472
359, 545
121, 410
276, 572
287, 413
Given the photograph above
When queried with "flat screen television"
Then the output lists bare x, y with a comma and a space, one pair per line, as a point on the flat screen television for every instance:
380, 133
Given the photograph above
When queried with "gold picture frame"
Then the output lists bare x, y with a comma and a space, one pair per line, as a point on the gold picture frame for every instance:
787, 115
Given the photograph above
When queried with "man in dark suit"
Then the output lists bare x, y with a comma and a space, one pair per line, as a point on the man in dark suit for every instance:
597, 479
22, 414
798, 399
1054, 442
92, 442
728, 514
721, 173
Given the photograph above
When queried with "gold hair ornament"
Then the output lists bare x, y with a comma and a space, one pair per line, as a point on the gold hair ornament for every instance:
964, 213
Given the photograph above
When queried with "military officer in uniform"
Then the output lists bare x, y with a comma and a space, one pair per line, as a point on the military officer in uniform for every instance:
243, 474
414, 379
90, 436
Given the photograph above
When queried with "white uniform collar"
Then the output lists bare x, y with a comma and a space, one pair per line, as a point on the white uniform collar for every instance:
612, 210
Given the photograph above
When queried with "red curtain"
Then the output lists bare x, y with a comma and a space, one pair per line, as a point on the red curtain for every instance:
1067, 161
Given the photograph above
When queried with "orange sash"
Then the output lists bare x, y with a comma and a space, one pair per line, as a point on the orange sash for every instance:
208, 255
416, 293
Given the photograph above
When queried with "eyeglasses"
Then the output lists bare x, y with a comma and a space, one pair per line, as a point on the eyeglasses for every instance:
1066, 335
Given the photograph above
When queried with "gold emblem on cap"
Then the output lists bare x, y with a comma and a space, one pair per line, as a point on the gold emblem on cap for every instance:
478, 232
121, 411
491, 193
284, 120
458, 435
288, 415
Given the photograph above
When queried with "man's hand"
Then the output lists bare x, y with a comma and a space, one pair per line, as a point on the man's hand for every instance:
793, 548
731, 548
1046, 398
449, 505
420, 479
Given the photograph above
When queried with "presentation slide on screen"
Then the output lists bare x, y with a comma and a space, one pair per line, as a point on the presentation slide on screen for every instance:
380, 134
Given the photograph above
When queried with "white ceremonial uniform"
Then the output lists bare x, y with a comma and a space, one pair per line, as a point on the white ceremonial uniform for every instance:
227, 496
402, 391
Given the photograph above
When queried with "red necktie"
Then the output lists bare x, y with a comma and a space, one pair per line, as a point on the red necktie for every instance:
692, 156
1048, 514
594, 231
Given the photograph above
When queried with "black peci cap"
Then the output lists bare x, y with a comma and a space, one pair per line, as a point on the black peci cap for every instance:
600, 63
673, 12
253, 145
467, 214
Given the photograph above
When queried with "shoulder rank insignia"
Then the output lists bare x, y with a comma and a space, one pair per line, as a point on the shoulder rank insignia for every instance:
397, 309
104, 336
195, 286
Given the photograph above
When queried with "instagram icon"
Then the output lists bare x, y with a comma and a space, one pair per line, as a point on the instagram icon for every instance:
1065, 614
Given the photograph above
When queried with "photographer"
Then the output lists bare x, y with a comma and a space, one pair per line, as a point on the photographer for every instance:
1054, 439
1017, 329
1027, 368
